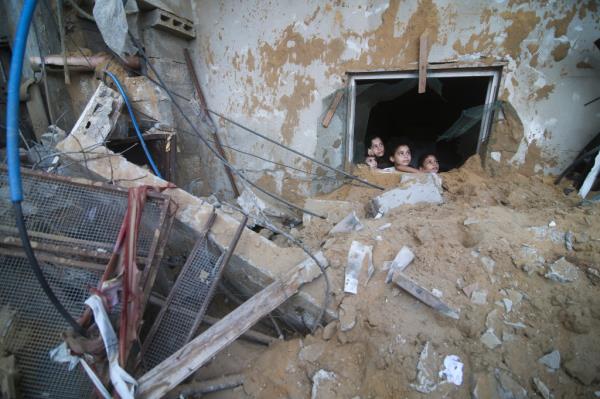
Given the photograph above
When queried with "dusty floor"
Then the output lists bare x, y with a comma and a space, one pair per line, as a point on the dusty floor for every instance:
495, 236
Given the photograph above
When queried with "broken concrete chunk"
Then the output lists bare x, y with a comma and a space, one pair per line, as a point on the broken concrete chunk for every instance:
551, 360
488, 263
358, 254
569, 240
311, 353
426, 370
347, 315
347, 224
562, 271
542, 389
507, 304
324, 384
515, 296
400, 262
479, 297
414, 189
255, 207
333, 210
330, 330
490, 339
469, 289
507, 386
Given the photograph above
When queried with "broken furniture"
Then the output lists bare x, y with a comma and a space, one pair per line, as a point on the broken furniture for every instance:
73, 226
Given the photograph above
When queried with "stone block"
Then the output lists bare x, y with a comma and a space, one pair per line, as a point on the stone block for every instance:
413, 189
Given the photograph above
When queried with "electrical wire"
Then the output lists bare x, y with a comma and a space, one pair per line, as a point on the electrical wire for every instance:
207, 144
12, 141
135, 124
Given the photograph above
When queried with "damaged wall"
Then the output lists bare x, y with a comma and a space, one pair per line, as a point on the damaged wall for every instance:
275, 66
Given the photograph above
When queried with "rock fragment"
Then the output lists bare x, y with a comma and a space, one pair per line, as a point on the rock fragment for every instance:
551, 360
562, 271
490, 339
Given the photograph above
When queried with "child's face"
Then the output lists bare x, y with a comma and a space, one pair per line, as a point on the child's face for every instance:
377, 149
401, 156
430, 164
371, 161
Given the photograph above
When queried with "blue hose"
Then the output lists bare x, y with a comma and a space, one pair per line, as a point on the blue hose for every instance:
135, 124
12, 101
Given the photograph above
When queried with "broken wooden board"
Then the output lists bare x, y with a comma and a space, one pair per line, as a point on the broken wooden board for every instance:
423, 295
333, 108
423, 56
183, 363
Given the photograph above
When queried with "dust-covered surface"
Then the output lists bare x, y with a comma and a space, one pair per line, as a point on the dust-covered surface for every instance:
493, 252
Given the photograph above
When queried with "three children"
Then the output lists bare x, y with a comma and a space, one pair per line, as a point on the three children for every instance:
400, 158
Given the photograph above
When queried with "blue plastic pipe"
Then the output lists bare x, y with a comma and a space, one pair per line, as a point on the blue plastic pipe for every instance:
12, 101
135, 124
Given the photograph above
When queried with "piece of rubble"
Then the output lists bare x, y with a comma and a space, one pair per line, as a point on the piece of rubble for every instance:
414, 188
347, 315
333, 210
324, 384
551, 360
357, 255
542, 389
508, 387
479, 297
311, 353
490, 339
426, 367
569, 240
347, 224
330, 330
562, 271
593, 275
400, 262
507, 304
488, 263
515, 296
437, 293
469, 289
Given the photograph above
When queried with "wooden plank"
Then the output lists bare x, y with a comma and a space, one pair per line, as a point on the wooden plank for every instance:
423, 55
333, 108
423, 295
183, 363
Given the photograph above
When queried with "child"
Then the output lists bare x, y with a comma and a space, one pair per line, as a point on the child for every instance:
401, 159
371, 161
377, 150
428, 163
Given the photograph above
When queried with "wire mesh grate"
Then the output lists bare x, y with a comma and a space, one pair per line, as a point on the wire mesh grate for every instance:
36, 326
64, 213
188, 297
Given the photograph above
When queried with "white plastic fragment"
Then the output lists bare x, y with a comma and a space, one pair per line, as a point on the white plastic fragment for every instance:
437, 293
356, 257
124, 383
453, 370
552, 223
400, 262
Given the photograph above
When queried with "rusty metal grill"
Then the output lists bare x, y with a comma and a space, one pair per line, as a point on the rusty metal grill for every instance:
188, 299
61, 212
36, 325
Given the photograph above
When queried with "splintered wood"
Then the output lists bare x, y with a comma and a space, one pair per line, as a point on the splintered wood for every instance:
183, 363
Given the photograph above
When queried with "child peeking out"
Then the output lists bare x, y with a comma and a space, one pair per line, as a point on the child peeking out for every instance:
428, 163
401, 159
371, 161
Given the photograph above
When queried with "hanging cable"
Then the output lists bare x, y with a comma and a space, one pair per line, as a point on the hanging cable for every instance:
135, 124
12, 149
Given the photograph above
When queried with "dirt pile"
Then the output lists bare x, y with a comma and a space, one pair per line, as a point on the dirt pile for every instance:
493, 251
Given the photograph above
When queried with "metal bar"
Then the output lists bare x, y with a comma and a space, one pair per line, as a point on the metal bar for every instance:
196, 82
220, 268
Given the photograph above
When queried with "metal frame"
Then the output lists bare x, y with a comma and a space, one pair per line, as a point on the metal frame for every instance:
494, 72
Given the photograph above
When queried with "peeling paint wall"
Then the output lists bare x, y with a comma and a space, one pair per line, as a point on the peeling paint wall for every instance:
271, 65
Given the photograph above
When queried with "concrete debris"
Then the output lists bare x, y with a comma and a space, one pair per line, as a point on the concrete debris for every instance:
414, 189
507, 387
453, 370
543, 233
490, 339
437, 293
507, 304
530, 260
255, 207
469, 221
469, 289
311, 353
518, 325
333, 210
324, 384
347, 224
569, 240
111, 20
400, 262
426, 370
551, 360
479, 297
542, 389
515, 296
384, 226
330, 330
488, 263
562, 271
358, 254
552, 223
347, 314
593, 275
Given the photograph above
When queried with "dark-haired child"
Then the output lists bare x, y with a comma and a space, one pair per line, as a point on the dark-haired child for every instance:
429, 163
401, 158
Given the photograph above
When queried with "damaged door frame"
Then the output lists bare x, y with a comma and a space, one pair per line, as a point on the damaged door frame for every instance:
493, 71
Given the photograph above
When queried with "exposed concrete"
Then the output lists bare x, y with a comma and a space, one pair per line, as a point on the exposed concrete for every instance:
414, 188
256, 261
275, 66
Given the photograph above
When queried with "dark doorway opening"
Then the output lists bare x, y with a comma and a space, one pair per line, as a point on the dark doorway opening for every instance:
393, 110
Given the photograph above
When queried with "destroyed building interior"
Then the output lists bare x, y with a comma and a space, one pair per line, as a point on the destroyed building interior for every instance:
300, 199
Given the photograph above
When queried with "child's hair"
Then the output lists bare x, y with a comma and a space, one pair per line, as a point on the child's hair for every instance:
400, 144
424, 156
